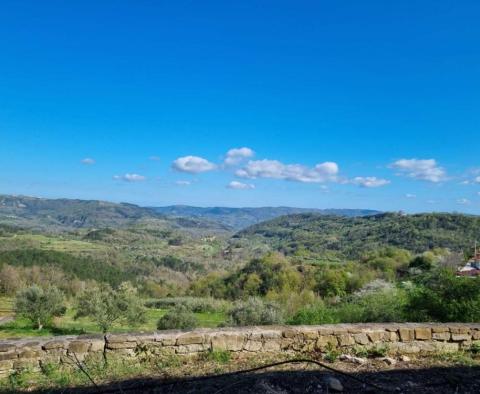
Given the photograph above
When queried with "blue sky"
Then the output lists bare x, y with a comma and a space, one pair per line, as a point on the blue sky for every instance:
350, 104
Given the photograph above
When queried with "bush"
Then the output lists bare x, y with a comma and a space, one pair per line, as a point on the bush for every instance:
106, 306
254, 312
177, 318
193, 304
40, 305
441, 296
317, 314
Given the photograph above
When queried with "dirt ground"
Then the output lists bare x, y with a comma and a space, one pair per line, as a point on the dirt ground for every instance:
418, 376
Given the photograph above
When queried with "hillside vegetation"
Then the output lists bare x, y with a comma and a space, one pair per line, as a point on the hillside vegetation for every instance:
351, 237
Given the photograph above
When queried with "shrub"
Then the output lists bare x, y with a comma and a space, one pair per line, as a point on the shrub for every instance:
106, 306
193, 304
254, 311
178, 317
40, 305
317, 314
441, 296
218, 356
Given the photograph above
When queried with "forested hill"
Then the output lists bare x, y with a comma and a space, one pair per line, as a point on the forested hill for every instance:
352, 237
240, 218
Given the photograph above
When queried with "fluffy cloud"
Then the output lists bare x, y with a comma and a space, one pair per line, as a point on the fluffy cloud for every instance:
130, 178
236, 155
463, 201
477, 179
240, 186
192, 164
183, 183
409, 195
369, 181
88, 161
274, 169
425, 170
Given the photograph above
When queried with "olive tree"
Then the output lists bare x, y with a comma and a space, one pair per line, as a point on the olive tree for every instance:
39, 305
106, 306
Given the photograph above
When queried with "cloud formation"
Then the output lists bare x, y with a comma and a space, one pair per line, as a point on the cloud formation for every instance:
274, 169
88, 161
130, 178
463, 201
240, 185
369, 181
425, 170
409, 195
237, 155
183, 183
193, 164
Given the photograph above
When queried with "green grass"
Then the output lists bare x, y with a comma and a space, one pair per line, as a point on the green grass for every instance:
67, 325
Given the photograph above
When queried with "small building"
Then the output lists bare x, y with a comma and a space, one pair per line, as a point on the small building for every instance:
472, 268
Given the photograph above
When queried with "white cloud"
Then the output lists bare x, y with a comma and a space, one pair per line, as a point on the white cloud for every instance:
88, 161
477, 179
240, 186
130, 178
274, 169
463, 201
369, 181
236, 155
425, 170
192, 164
410, 195
183, 183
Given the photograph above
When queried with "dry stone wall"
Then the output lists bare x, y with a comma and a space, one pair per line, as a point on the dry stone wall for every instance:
405, 338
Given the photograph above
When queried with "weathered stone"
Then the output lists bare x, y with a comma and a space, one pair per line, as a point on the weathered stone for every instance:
272, 346
405, 358
310, 335
25, 364
78, 347
459, 330
446, 347
55, 344
289, 333
361, 339
461, 337
190, 338
6, 365
121, 345
441, 336
97, 345
404, 348
352, 359
406, 334
423, 333
388, 360
8, 356
439, 329
7, 347
169, 341
255, 346
191, 348
391, 336
345, 340
325, 341
29, 353
476, 334
231, 342
376, 336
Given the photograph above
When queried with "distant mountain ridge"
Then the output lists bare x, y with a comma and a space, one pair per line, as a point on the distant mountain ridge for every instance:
67, 214
240, 218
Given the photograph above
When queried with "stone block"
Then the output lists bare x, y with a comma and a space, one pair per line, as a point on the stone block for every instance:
97, 345
6, 365
190, 338
324, 341
78, 347
232, 342
459, 330
441, 336
423, 333
255, 346
289, 333
191, 348
376, 336
272, 345
345, 340
7, 347
55, 344
461, 337
361, 339
8, 356
121, 345
29, 353
406, 334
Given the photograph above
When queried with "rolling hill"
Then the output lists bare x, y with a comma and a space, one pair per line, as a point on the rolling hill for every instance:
352, 236
240, 218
